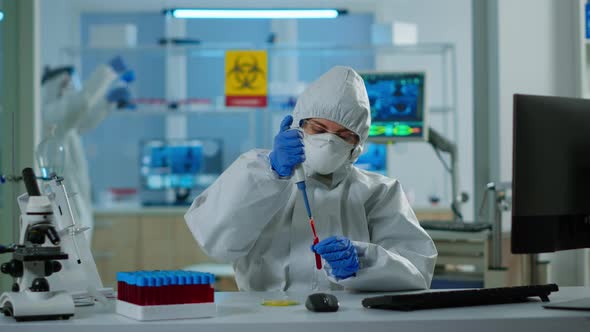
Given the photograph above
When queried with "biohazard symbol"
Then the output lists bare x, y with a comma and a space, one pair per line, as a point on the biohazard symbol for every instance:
245, 72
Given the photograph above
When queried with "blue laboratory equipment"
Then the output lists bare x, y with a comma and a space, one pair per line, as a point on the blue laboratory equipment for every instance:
373, 158
173, 172
173, 166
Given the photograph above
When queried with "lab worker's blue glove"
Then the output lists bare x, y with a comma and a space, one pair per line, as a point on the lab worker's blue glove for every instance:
287, 150
128, 76
340, 254
119, 95
118, 65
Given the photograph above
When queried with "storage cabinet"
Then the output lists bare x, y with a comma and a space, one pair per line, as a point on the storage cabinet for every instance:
115, 246
125, 241
156, 243
138, 238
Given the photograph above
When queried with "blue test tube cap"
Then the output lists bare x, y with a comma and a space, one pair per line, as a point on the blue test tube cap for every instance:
189, 278
204, 278
181, 279
126, 277
158, 280
173, 278
166, 279
150, 280
141, 281
207, 278
129, 278
197, 278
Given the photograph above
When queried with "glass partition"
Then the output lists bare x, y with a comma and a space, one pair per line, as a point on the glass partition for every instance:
179, 90
191, 105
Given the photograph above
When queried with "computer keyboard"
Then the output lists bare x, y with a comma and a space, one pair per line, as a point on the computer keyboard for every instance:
460, 298
455, 226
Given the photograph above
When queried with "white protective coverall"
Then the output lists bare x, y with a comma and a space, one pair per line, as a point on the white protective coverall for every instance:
67, 113
257, 221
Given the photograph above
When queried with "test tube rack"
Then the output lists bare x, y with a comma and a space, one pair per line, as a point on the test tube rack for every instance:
159, 295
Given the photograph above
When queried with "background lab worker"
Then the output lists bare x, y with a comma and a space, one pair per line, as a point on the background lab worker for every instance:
254, 216
69, 110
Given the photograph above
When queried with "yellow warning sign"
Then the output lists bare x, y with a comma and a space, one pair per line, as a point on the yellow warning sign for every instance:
246, 82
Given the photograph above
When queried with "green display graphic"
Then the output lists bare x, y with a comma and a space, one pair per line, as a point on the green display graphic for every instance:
396, 129
402, 130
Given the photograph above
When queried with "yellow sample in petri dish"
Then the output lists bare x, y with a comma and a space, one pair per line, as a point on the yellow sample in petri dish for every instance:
279, 303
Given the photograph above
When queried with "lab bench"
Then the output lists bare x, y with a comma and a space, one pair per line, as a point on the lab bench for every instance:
243, 312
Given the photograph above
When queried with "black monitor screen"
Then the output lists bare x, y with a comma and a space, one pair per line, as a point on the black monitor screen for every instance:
551, 174
397, 105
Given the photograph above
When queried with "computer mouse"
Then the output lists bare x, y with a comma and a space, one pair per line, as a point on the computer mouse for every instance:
322, 302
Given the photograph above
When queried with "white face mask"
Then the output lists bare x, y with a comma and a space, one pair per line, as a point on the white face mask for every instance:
325, 153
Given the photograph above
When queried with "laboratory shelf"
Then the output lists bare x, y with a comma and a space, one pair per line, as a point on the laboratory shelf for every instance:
207, 110
218, 50
213, 110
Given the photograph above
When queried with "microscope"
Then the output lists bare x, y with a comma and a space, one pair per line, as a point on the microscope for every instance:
36, 257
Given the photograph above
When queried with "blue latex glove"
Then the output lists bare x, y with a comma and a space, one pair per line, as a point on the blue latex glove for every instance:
128, 76
340, 253
118, 65
287, 149
119, 95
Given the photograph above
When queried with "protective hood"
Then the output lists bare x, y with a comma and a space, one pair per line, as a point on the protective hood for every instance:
339, 95
58, 83
53, 88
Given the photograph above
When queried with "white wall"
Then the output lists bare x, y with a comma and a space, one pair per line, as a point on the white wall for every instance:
415, 164
60, 27
536, 56
157, 5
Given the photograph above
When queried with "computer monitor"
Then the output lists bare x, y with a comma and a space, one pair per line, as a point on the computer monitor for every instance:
398, 106
174, 171
171, 165
551, 174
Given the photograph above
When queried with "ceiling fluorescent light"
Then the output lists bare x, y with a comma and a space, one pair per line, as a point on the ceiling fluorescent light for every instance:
256, 13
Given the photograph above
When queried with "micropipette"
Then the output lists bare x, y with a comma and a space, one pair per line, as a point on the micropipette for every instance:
299, 178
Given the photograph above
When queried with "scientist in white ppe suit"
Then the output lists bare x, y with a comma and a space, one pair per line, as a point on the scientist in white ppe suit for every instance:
69, 110
254, 217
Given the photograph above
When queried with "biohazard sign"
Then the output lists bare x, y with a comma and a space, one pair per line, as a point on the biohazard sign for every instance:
246, 81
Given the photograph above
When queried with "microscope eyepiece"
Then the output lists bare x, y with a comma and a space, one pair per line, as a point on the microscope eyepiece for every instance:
31, 182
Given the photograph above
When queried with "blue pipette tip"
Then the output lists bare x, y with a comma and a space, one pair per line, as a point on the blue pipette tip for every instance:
301, 186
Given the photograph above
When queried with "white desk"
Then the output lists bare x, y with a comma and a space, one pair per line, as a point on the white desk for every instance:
243, 312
